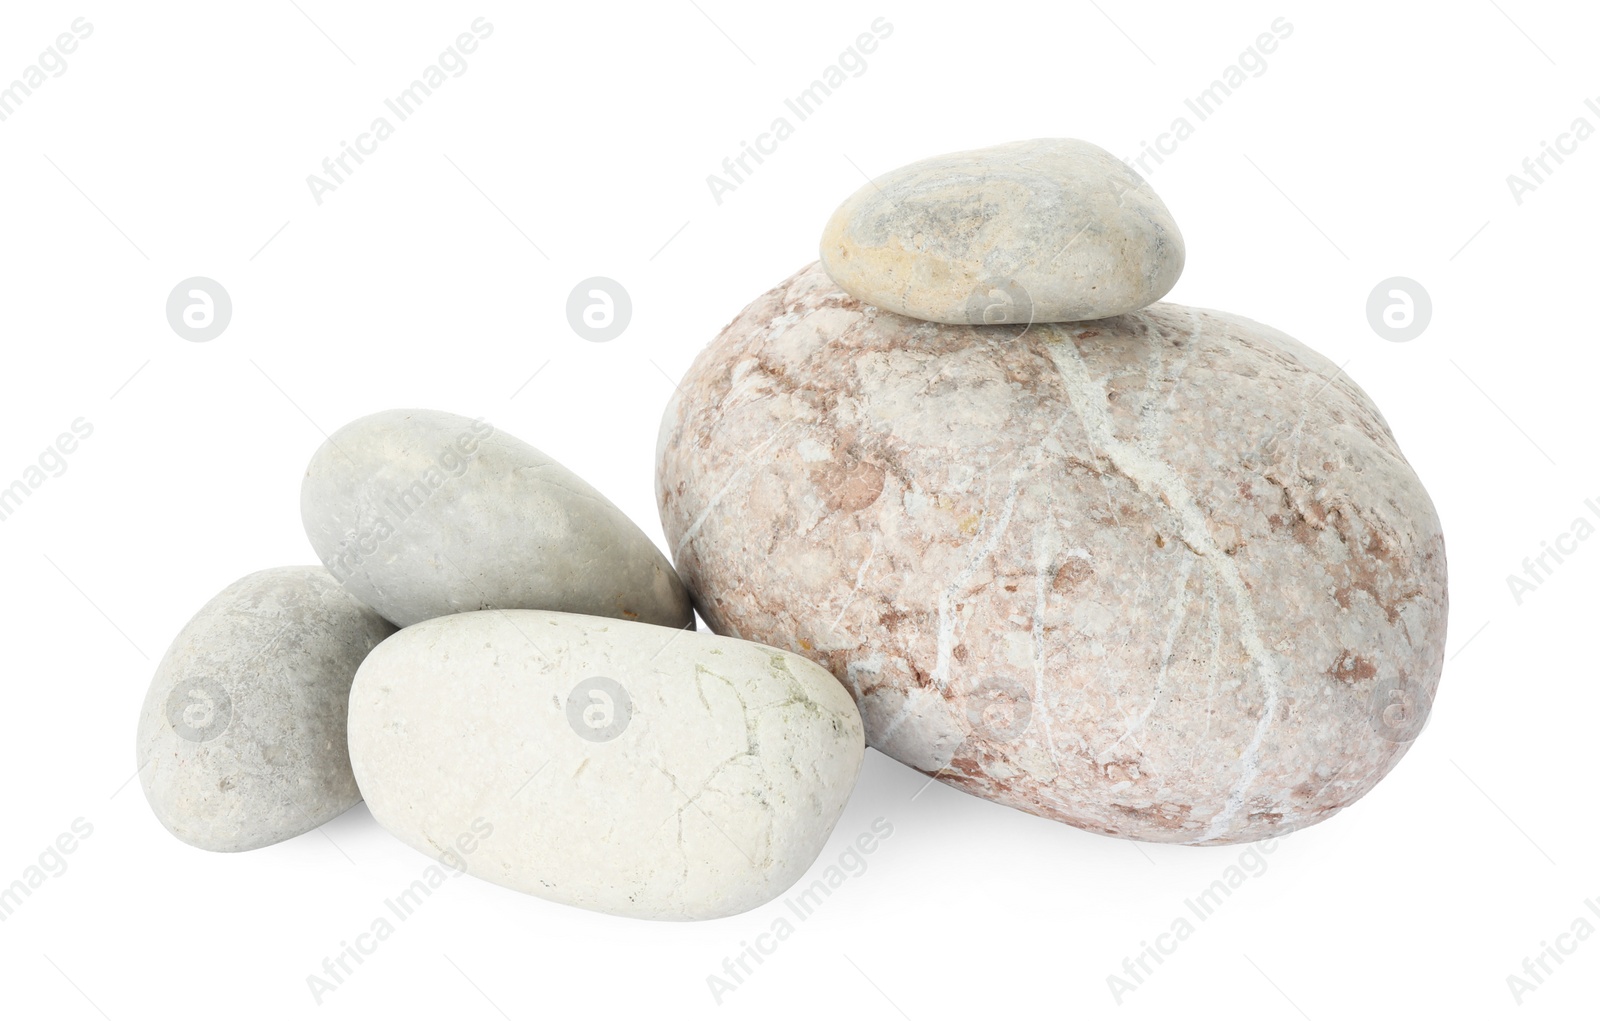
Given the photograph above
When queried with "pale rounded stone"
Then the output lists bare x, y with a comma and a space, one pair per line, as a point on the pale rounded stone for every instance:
615, 766
1047, 230
242, 735
1164, 576
424, 513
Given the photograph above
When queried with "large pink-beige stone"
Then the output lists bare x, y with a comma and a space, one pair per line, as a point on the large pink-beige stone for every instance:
1164, 576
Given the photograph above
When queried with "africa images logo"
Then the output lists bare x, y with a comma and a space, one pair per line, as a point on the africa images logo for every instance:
199, 710
599, 709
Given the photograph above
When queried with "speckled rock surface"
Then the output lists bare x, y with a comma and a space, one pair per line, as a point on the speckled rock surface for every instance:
1047, 230
242, 736
621, 767
1164, 576
424, 513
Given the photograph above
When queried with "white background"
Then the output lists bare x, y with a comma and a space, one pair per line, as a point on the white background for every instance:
178, 142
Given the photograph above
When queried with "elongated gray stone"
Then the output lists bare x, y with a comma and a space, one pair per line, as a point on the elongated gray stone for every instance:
1164, 576
621, 767
1047, 230
424, 513
242, 736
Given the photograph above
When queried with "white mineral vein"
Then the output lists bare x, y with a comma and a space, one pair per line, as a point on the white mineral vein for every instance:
1157, 478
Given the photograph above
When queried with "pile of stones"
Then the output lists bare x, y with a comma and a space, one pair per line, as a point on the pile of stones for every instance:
965, 491
1154, 571
545, 717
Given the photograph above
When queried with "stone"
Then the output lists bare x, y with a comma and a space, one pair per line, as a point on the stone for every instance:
609, 765
1047, 230
424, 513
242, 735
1164, 576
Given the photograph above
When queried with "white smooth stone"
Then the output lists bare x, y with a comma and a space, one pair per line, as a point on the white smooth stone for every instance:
620, 767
